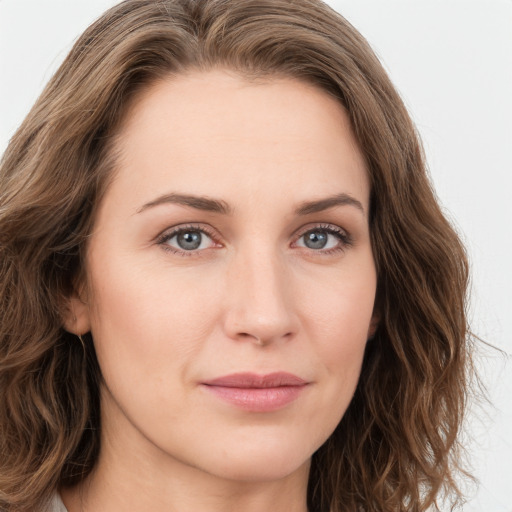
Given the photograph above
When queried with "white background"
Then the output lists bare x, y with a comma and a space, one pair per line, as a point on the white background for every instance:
452, 62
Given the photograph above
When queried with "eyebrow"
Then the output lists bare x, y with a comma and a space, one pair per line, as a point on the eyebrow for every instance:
320, 205
199, 202
219, 206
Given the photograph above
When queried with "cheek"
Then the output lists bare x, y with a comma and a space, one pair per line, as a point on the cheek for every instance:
340, 346
338, 319
146, 322
340, 308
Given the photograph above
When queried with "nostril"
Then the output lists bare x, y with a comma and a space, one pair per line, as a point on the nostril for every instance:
250, 337
262, 340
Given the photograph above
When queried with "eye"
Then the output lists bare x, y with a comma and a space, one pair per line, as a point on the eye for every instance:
186, 240
324, 238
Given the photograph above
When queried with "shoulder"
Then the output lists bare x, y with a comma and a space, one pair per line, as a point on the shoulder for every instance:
55, 505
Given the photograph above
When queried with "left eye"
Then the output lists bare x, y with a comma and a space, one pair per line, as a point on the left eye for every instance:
318, 239
189, 240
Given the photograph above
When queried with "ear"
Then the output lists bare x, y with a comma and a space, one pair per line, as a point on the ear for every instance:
374, 323
76, 314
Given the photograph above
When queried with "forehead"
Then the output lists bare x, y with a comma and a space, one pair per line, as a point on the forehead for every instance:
215, 132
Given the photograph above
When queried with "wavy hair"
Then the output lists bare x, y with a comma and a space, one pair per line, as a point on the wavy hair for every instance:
396, 448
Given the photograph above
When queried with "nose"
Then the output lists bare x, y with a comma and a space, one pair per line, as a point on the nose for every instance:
259, 302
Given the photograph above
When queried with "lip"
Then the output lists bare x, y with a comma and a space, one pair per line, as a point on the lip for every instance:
257, 393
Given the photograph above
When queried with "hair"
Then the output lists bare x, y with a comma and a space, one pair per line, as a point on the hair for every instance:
397, 447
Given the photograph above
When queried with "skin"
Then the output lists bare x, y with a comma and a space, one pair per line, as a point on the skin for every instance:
254, 297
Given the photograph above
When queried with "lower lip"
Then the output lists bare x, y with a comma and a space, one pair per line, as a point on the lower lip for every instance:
257, 399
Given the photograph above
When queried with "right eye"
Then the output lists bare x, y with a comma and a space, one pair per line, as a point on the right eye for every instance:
186, 240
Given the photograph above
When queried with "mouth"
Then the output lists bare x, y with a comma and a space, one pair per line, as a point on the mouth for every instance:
257, 393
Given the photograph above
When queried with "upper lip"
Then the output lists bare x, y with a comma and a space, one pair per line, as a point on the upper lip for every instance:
253, 380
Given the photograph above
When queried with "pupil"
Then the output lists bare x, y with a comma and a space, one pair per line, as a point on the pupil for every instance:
316, 239
189, 240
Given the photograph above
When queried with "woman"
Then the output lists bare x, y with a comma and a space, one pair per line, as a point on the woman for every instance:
225, 280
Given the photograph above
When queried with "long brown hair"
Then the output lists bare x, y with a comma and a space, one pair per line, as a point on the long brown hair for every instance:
396, 449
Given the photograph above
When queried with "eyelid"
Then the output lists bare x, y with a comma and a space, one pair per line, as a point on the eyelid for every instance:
173, 231
344, 236
345, 239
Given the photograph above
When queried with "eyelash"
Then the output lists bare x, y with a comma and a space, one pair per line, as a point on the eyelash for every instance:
345, 239
168, 235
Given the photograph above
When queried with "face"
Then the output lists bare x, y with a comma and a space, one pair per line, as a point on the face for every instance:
230, 278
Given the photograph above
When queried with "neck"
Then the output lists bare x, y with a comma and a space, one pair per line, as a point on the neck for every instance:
137, 488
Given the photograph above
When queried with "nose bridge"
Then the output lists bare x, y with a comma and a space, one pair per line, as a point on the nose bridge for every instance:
260, 296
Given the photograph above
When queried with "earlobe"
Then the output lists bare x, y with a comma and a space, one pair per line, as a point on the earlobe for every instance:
374, 323
76, 317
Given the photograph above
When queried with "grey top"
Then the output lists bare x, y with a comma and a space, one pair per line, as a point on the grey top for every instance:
56, 505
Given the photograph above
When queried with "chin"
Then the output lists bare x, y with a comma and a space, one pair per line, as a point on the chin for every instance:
267, 470
261, 462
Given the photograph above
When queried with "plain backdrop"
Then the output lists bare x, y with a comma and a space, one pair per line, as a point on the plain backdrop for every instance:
452, 62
